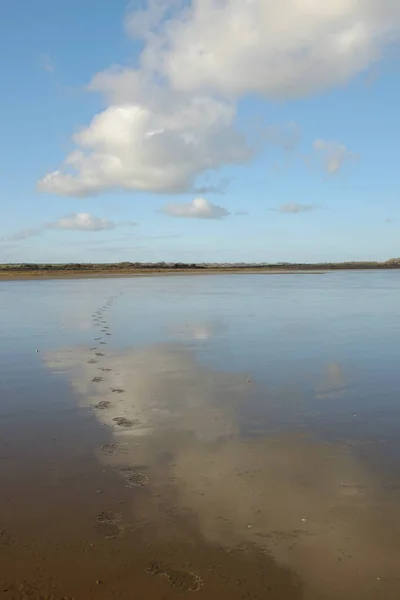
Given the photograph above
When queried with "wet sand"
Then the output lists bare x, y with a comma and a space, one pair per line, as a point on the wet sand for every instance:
70, 274
142, 471
68, 530
73, 519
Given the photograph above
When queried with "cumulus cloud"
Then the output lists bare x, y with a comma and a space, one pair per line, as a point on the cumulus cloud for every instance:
81, 222
294, 208
72, 222
199, 208
286, 49
150, 139
334, 155
172, 120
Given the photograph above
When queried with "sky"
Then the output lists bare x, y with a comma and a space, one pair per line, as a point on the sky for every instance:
199, 130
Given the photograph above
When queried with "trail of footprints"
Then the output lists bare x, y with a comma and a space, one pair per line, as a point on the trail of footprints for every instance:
97, 355
133, 477
108, 524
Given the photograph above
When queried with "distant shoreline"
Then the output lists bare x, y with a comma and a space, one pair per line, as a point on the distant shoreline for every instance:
61, 274
72, 271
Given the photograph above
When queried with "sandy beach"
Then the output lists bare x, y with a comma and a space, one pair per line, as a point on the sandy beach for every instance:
63, 274
164, 437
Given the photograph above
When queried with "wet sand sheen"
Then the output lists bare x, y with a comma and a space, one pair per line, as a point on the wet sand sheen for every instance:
67, 542
151, 487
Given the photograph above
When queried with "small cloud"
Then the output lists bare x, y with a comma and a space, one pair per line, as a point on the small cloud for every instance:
388, 220
296, 208
241, 213
334, 155
72, 222
23, 234
81, 222
199, 208
47, 63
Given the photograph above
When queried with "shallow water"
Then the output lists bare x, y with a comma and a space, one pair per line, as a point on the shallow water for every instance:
226, 435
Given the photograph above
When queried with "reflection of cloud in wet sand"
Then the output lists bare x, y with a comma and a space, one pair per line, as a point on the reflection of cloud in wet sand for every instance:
157, 388
197, 331
334, 382
313, 506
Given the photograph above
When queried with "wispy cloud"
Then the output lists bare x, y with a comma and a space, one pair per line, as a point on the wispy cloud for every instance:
47, 63
72, 222
199, 208
334, 155
296, 208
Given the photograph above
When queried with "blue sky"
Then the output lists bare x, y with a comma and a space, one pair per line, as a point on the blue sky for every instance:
289, 115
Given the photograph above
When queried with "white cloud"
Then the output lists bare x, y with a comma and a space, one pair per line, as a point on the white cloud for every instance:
334, 155
172, 120
296, 208
72, 222
280, 49
150, 139
199, 208
81, 222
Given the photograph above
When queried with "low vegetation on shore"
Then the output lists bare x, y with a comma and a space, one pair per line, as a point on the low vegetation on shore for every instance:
134, 267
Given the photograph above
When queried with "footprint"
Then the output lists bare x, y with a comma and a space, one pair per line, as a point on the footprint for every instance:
6, 539
123, 422
111, 449
103, 343
108, 524
107, 518
92, 361
103, 404
186, 581
99, 354
135, 477
97, 379
117, 390
104, 369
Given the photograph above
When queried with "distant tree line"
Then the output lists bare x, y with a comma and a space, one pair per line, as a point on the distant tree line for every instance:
392, 263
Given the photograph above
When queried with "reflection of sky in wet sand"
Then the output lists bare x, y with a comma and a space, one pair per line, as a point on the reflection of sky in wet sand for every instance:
314, 507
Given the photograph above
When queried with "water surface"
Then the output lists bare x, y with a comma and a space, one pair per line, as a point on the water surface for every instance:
227, 435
